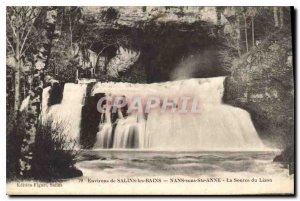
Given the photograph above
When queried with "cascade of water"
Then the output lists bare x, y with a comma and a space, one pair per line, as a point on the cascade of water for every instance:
130, 132
68, 113
104, 135
216, 127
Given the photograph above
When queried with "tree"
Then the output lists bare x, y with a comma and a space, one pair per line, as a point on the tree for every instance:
253, 32
246, 32
110, 15
278, 17
64, 58
276, 20
249, 12
219, 14
233, 35
252, 12
34, 108
244, 17
281, 17
238, 39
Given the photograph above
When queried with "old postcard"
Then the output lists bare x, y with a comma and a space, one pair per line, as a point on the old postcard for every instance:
149, 100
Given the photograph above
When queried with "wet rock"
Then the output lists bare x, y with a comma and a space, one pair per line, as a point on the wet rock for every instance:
286, 157
90, 119
56, 94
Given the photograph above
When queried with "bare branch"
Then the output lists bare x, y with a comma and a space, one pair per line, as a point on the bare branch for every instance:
11, 46
24, 41
26, 22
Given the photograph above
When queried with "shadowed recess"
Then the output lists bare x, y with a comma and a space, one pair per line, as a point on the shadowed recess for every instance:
56, 94
90, 119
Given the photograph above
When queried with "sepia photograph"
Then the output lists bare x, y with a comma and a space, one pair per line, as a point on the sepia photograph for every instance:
150, 100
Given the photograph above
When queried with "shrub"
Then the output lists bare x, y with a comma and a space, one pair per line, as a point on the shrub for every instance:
14, 137
54, 155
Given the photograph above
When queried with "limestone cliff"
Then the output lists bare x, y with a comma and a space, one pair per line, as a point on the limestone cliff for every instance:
262, 82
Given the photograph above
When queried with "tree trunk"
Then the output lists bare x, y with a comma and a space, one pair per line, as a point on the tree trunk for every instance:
238, 37
17, 101
34, 107
219, 16
253, 32
31, 125
17, 92
246, 34
281, 17
276, 21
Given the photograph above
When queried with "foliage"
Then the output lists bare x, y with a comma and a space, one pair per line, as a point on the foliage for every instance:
62, 69
110, 14
63, 62
21, 48
246, 27
20, 23
14, 138
54, 154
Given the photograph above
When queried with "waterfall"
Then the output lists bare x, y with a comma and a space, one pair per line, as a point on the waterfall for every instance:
130, 132
68, 112
104, 135
216, 126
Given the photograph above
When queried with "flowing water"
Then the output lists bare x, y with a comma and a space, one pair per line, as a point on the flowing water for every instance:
216, 127
219, 140
68, 112
113, 164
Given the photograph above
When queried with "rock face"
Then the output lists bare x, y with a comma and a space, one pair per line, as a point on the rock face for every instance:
262, 83
135, 16
121, 62
287, 158
157, 41
169, 43
90, 119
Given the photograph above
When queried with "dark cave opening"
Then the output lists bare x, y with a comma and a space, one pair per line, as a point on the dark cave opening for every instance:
169, 51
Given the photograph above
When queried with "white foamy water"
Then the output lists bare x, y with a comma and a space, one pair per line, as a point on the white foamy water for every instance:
206, 90
105, 132
68, 112
215, 127
127, 129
